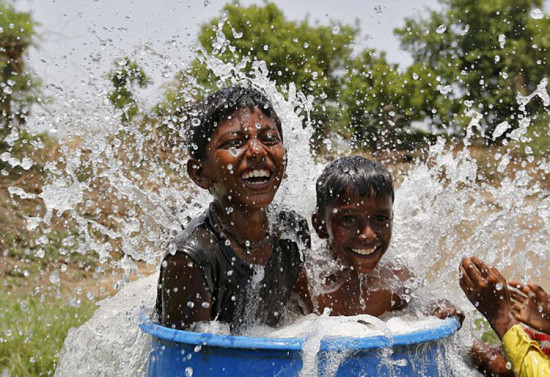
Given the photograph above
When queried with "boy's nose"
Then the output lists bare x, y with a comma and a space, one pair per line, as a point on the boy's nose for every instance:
367, 234
254, 148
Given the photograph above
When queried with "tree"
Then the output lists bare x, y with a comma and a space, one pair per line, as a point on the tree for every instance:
18, 87
482, 53
310, 56
371, 100
124, 77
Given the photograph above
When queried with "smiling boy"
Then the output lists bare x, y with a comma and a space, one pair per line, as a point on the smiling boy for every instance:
355, 215
232, 263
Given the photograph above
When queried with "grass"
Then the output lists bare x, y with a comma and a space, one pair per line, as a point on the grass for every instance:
32, 332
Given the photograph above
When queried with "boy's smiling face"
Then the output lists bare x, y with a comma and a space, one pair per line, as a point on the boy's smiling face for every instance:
358, 229
245, 160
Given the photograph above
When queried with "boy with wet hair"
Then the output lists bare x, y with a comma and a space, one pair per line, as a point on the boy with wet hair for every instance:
355, 215
221, 104
238, 262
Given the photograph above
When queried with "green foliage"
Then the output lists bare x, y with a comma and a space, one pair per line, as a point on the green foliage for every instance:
488, 335
124, 77
32, 332
18, 87
371, 99
482, 54
471, 56
309, 56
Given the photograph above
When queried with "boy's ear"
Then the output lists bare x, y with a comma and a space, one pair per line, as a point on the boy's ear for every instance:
197, 174
319, 225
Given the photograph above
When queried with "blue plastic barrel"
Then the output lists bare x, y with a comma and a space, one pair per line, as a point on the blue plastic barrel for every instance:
179, 353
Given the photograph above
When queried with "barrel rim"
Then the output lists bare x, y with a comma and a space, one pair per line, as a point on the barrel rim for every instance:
448, 327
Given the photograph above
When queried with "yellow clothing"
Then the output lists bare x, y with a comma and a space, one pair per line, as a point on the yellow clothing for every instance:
524, 354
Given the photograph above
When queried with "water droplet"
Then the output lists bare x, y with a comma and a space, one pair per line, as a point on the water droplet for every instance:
54, 277
536, 14
335, 29
195, 122
415, 76
188, 372
68, 242
502, 40
230, 273
205, 305
499, 286
441, 29
236, 34
172, 248
266, 47
190, 304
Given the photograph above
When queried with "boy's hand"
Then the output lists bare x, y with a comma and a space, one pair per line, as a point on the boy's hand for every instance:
533, 305
444, 309
486, 288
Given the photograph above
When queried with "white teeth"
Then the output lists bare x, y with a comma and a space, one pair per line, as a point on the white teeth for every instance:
257, 173
365, 251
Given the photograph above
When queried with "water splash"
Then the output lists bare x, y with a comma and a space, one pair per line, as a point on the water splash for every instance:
127, 197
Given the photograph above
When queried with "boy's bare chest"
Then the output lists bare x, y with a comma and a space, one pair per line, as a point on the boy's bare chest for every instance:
350, 299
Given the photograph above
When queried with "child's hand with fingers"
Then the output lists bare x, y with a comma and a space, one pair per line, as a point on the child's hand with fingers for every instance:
486, 288
532, 305
443, 309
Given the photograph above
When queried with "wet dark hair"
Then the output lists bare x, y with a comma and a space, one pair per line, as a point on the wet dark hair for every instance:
352, 173
221, 104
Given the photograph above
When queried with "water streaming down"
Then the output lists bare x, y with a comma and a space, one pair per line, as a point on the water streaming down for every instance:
444, 209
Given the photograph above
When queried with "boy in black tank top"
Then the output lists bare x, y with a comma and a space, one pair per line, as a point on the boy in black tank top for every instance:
239, 261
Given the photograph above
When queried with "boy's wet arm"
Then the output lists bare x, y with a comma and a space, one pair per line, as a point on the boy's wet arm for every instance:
186, 298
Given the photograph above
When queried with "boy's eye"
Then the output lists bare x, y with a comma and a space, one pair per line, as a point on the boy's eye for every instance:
234, 143
349, 220
271, 139
382, 219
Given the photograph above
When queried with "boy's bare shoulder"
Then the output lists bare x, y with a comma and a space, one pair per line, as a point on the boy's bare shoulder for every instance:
396, 271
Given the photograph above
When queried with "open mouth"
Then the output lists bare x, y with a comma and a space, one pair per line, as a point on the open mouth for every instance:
365, 251
256, 176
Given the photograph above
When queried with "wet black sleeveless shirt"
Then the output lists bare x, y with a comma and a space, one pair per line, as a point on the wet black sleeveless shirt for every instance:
244, 294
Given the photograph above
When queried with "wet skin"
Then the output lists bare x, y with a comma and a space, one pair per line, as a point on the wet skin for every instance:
359, 229
382, 291
245, 161
244, 165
